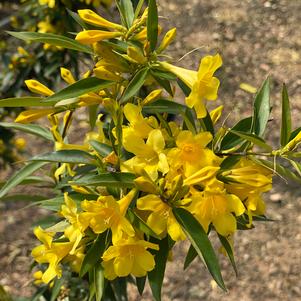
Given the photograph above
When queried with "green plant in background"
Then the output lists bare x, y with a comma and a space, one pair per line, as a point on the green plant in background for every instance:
33, 60
154, 167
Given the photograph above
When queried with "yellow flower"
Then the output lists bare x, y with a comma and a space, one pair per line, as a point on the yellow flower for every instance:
150, 156
106, 213
50, 3
203, 84
191, 153
20, 143
206, 85
128, 257
76, 230
50, 252
216, 206
161, 219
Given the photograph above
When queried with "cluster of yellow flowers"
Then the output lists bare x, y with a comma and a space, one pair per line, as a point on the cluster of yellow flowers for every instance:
173, 167
152, 168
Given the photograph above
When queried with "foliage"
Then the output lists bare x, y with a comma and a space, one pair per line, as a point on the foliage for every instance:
153, 169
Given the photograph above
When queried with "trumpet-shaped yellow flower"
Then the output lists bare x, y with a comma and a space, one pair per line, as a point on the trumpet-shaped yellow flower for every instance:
128, 256
216, 206
93, 36
202, 83
161, 219
191, 153
107, 213
150, 156
76, 230
50, 252
206, 85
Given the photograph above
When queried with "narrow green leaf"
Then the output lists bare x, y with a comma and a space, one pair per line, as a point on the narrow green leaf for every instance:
152, 24
156, 276
253, 139
99, 281
164, 106
102, 148
29, 128
230, 161
22, 198
66, 156
115, 179
140, 283
94, 254
191, 255
20, 175
55, 290
200, 241
52, 39
296, 166
79, 88
165, 84
208, 123
126, 10
225, 243
286, 123
138, 223
22, 102
261, 108
135, 84
230, 140
93, 113
138, 9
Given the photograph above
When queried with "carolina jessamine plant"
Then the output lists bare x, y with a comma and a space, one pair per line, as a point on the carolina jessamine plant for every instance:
152, 170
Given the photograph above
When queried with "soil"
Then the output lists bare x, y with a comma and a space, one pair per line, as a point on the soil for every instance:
256, 39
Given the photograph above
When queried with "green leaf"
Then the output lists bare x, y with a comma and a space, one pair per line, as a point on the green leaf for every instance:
164, 84
152, 24
294, 133
191, 255
102, 148
17, 102
99, 281
55, 290
135, 84
140, 283
93, 113
138, 223
164, 106
52, 39
230, 140
115, 179
261, 109
208, 123
20, 175
29, 128
126, 10
66, 156
156, 276
253, 139
200, 241
79, 88
230, 161
286, 123
23, 198
77, 19
138, 8
225, 243
94, 254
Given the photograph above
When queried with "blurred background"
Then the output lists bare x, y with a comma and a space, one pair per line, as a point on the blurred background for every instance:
256, 39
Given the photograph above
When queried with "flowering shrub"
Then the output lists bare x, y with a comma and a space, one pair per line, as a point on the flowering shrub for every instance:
152, 169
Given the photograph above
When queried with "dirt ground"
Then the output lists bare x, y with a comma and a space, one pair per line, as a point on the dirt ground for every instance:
255, 39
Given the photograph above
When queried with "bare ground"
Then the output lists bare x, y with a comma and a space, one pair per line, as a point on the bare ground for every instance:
256, 39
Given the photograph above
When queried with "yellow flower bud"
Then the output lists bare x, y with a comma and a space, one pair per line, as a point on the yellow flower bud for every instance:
20, 143
92, 36
151, 97
67, 76
168, 38
32, 115
36, 87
